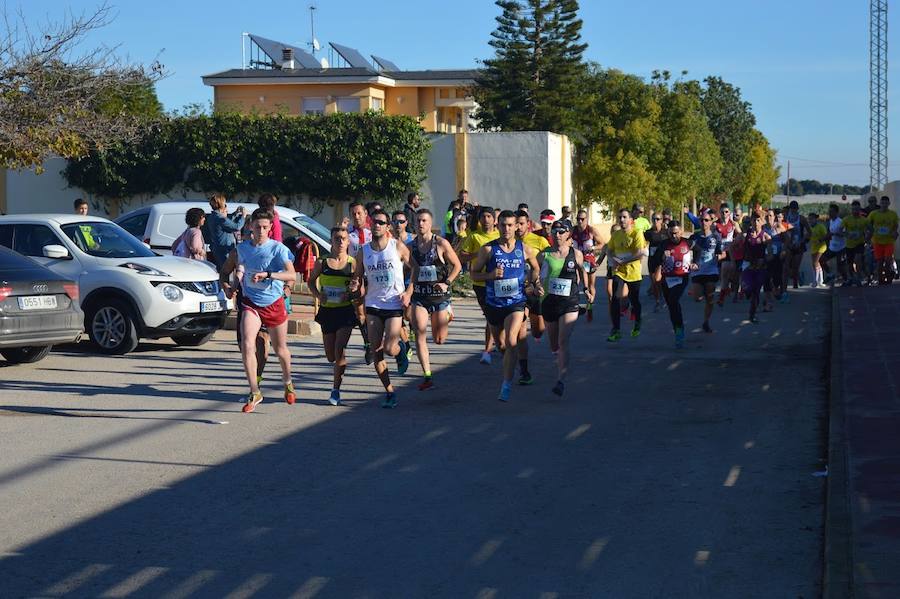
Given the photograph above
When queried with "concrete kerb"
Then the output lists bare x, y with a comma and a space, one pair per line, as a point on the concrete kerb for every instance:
838, 559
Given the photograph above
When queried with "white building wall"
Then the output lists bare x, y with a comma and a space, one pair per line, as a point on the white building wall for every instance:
439, 188
507, 168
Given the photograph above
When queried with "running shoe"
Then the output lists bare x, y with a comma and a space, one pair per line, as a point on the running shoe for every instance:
754, 319
505, 390
409, 349
559, 388
707, 328
253, 400
426, 384
402, 360
289, 395
368, 355
335, 397
679, 337
390, 400
485, 358
636, 331
526, 379
614, 336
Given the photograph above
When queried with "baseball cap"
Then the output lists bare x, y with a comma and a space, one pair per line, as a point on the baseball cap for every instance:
547, 218
562, 224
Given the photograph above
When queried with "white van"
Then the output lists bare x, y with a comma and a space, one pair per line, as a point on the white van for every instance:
159, 225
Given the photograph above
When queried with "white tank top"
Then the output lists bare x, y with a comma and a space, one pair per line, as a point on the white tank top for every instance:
384, 277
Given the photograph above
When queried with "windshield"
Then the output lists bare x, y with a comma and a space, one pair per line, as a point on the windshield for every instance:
314, 226
105, 240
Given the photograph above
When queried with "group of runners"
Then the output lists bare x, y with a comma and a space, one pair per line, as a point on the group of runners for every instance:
379, 276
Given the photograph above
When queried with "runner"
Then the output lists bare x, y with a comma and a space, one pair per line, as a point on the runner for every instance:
798, 237
501, 263
533, 303
547, 219
640, 221
469, 253
400, 230
655, 236
359, 234
267, 266
754, 274
736, 256
231, 284
727, 228
380, 262
774, 283
836, 245
855, 228
329, 283
817, 247
707, 247
884, 236
562, 268
588, 241
434, 268
626, 248
676, 263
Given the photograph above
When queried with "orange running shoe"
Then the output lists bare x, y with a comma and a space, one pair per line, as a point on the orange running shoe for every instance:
253, 400
289, 396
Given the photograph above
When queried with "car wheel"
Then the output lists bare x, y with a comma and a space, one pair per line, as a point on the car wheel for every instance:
192, 340
111, 327
25, 355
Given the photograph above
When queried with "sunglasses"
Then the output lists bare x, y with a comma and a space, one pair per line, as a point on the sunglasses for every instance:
399, 222
559, 231
380, 223
581, 218
657, 218
706, 220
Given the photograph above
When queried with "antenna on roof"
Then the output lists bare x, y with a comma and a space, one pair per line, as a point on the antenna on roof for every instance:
313, 42
244, 35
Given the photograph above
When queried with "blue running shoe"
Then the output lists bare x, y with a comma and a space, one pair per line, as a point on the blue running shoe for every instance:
505, 390
402, 360
679, 337
335, 398
390, 400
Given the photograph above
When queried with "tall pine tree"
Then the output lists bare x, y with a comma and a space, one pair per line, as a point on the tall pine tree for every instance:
532, 82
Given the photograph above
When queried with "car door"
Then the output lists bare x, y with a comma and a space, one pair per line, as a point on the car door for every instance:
29, 239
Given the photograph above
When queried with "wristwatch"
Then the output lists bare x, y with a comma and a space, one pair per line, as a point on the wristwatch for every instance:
268, 274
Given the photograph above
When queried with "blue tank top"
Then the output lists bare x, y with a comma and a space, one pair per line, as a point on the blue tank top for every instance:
510, 290
775, 247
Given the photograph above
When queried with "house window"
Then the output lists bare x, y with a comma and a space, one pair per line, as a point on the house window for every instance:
376, 104
348, 104
313, 106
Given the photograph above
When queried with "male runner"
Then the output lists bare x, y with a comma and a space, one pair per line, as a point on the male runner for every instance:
676, 263
855, 228
837, 243
655, 236
267, 266
468, 253
532, 304
798, 237
726, 227
547, 218
501, 264
707, 247
774, 283
626, 248
359, 235
400, 230
754, 274
434, 268
380, 262
884, 236
640, 221
588, 241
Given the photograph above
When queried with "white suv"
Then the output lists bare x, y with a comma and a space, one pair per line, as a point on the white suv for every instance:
127, 291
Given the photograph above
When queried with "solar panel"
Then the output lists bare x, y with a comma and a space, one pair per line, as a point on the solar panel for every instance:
353, 57
273, 49
385, 64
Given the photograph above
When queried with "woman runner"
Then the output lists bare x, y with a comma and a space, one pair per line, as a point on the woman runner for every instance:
754, 275
676, 262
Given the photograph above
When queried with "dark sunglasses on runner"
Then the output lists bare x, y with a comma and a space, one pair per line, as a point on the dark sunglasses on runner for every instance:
381, 223
399, 222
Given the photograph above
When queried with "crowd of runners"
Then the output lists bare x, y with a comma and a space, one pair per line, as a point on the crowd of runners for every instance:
389, 276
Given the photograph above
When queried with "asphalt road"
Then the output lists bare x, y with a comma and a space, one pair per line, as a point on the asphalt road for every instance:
662, 473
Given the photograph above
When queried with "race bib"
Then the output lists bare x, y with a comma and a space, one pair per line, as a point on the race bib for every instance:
506, 287
674, 281
334, 295
854, 234
561, 287
383, 280
428, 274
884, 231
653, 250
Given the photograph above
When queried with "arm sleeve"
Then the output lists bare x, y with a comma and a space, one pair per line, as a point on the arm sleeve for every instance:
694, 219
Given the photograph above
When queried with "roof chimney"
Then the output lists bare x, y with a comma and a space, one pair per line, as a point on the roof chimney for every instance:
287, 58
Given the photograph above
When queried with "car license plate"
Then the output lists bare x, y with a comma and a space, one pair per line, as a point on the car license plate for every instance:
212, 306
37, 302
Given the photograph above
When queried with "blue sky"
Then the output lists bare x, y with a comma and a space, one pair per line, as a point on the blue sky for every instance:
803, 64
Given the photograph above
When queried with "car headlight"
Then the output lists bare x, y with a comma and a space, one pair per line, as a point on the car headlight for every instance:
143, 269
171, 293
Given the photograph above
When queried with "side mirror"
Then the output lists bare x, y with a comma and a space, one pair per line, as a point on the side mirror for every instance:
56, 252
146, 245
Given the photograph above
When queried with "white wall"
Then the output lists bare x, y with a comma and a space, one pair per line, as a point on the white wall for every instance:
505, 169
439, 188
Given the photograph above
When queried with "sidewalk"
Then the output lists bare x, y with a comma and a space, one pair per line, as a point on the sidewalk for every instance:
863, 532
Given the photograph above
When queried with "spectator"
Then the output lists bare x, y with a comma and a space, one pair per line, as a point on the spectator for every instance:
81, 207
221, 228
190, 243
267, 201
410, 208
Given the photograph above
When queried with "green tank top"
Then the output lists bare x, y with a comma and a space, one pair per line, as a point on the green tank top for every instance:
559, 275
333, 283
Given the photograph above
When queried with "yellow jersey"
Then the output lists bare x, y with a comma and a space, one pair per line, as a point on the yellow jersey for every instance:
627, 243
538, 243
473, 242
855, 230
817, 243
884, 225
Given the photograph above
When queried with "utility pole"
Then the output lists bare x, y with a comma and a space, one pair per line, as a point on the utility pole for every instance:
878, 93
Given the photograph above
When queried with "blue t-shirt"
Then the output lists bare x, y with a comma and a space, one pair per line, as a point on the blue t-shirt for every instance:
707, 249
509, 291
269, 256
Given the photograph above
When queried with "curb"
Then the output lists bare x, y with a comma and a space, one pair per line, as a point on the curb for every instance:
837, 579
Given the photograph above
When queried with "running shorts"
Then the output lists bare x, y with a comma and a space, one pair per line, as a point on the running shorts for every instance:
705, 279
853, 252
535, 305
271, 316
383, 314
430, 306
554, 307
480, 295
883, 251
334, 319
497, 316
752, 280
